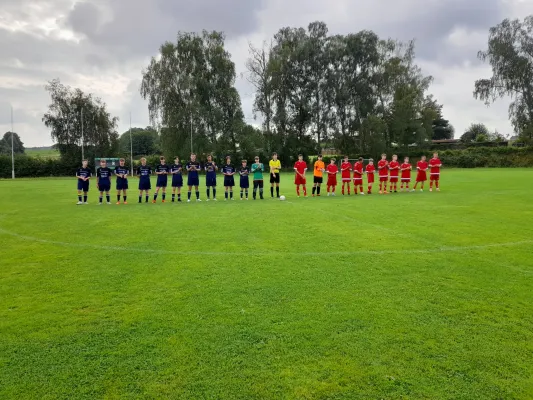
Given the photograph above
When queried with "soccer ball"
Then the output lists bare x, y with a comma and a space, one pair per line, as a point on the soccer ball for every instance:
282, 198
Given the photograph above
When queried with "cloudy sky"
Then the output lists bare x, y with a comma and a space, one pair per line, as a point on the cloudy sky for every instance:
101, 46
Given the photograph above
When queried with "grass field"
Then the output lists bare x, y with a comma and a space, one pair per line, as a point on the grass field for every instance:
43, 152
411, 295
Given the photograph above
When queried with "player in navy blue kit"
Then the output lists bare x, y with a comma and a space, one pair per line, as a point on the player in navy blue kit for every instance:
211, 177
193, 167
121, 171
144, 172
83, 174
161, 171
177, 178
228, 171
103, 181
244, 172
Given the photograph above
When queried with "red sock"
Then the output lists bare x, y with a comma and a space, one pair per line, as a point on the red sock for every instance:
297, 190
437, 184
361, 188
305, 191
431, 184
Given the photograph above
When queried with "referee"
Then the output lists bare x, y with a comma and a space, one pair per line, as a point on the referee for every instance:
275, 166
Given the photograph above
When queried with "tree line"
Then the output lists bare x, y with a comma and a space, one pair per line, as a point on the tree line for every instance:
357, 93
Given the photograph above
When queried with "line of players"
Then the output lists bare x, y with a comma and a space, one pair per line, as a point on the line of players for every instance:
163, 170
386, 170
391, 172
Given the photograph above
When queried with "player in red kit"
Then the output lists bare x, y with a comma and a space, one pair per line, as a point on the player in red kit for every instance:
434, 173
383, 171
405, 168
358, 176
332, 171
394, 168
370, 170
300, 167
346, 169
421, 176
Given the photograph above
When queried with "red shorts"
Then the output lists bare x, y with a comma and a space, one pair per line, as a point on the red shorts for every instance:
357, 181
433, 177
421, 177
346, 178
332, 180
394, 179
383, 178
406, 179
370, 178
298, 180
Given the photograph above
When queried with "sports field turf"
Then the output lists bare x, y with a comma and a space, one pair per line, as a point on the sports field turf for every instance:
408, 295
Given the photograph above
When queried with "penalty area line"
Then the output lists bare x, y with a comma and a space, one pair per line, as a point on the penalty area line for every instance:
442, 249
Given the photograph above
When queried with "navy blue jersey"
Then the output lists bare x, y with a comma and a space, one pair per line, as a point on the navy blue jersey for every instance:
104, 176
228, 169
176, 169
193, 173
162, 168
144, 171
244, 171
84, 172
121, 171
210, 166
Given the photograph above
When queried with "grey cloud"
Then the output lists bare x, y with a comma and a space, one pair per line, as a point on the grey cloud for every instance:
85, 18
432, 26
141, 28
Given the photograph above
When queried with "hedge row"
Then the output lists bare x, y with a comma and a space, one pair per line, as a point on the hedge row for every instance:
492, 157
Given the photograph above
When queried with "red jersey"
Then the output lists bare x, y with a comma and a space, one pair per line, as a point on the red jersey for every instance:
382, 168
345, 169
434, 164
370, 169
394, 168
422, 165
358, 170
406, 170
332, 168
300, 166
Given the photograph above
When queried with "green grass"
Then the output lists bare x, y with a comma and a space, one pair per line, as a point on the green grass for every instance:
412, 296
43, 152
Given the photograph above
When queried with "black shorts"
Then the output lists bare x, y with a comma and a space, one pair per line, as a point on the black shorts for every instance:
274, 178
229, 181
162, 181
145, 184
83, 186
177, 181
245, 183
210, 179
122, 184
104, 187
317, 179
258, 184
193, 181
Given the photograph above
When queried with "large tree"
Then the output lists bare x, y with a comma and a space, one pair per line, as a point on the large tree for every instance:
473, 132
7, 140
191, 94
510, 54
76, 118
144, 141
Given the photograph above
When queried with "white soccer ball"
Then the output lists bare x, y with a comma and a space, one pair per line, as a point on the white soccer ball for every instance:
282, 198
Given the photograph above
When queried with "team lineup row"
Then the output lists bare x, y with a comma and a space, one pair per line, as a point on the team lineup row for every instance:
387, 172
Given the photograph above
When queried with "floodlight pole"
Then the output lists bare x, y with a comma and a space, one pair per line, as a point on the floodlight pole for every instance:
82, 149
12, 147
191, 131
131, 148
